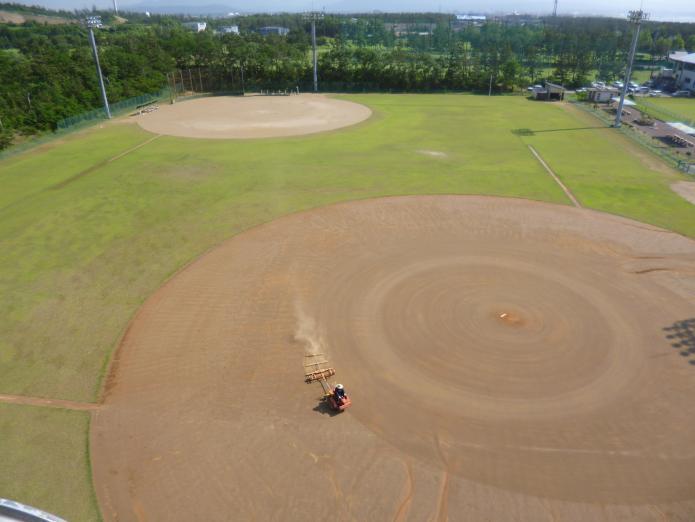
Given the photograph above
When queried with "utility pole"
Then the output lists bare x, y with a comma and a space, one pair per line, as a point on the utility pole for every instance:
636, 18
92, 22
554, 9
313, 16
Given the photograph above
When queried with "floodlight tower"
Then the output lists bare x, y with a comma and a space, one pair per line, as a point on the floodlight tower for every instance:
636, 18
554, 9
92, 22
115, 6
313, 16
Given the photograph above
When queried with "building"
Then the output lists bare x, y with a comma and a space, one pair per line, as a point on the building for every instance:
401, 29
229, 29
280, 31
464, 21
602, 95
549, 92
471, 19
197, 27
684, 70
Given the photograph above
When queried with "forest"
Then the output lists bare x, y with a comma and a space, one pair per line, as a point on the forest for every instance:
47, 72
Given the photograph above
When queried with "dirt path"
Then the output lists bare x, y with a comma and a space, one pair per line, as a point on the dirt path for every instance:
550, 171
51, 403
236, 117
507, 360
685, 189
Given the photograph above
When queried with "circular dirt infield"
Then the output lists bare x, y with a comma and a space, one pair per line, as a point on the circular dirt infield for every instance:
507, 360
225, 117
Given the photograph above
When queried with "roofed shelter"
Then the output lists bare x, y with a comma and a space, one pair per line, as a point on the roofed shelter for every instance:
549, 92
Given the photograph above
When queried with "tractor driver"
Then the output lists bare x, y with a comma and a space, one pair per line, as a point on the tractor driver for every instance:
339, 392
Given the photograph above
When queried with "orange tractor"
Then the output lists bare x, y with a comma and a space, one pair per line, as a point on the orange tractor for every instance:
317, 370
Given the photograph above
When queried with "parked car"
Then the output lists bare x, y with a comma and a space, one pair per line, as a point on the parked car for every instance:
681, 94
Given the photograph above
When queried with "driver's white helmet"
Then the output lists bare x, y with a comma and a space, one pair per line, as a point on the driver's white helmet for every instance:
340, 386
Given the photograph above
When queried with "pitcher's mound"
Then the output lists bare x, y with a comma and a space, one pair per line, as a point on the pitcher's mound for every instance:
225, 117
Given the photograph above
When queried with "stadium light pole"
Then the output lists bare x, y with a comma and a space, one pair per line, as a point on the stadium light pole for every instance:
636, 18
313, 16
92, 22
115, 6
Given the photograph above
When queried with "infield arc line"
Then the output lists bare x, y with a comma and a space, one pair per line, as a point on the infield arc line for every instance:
557, 180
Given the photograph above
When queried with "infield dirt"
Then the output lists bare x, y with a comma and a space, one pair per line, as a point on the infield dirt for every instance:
245, 117
507, 360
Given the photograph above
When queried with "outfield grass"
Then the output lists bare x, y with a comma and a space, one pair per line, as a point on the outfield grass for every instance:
83, 241
44, 464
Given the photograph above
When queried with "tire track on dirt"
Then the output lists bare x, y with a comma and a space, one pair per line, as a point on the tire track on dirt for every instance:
404, 507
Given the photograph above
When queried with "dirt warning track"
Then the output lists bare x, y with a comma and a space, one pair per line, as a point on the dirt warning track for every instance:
508, 360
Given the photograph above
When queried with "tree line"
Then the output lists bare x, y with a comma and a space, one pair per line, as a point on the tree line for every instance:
47, 71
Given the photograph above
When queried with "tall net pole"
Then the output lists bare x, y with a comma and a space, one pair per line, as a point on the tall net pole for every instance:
636, 18
316, 63
92, 22
313, 16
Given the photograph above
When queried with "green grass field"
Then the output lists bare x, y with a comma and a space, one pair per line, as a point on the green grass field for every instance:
670, 109
43, 454
85, 241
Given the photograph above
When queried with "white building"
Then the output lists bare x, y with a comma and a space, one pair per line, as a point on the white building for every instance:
229, 29
197, 27
684, 70
280, 31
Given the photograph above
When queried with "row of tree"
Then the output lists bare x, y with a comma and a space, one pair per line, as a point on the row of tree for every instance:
47, 71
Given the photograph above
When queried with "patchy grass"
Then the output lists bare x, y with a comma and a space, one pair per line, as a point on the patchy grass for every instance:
45, 460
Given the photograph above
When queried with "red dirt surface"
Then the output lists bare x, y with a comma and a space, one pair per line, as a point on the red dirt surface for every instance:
507, 360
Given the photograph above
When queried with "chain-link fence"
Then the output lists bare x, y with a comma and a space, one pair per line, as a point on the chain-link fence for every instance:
660, 149
117, 109
661, 113
85, 119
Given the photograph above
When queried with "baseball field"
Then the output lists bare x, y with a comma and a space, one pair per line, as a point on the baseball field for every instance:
506, 289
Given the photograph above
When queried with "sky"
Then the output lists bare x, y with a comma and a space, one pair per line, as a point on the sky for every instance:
677, 10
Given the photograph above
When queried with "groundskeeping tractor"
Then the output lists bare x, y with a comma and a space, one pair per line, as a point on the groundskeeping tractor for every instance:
316, 369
